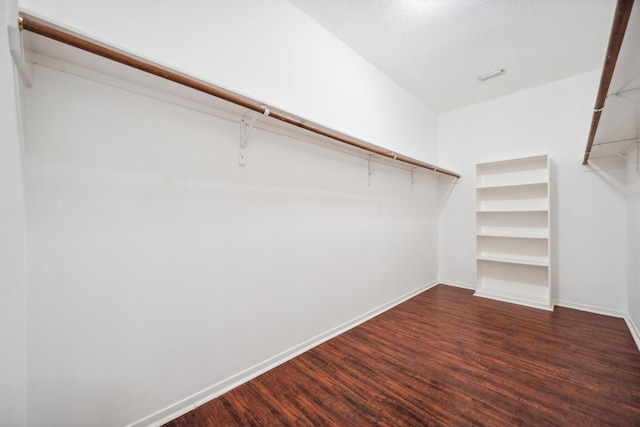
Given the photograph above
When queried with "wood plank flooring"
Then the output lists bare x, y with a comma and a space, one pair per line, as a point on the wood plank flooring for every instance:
447, 358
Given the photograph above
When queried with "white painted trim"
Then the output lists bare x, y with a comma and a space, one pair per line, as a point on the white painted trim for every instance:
179, 408
458, 284
590, 308
483, 293
635, 332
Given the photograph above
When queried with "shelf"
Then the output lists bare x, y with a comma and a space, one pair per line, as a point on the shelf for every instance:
50, 42
515, 165
508, 185
515, 210
514, 236
514, 260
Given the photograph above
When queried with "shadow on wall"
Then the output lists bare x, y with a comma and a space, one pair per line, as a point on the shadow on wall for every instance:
611, 170
446, 184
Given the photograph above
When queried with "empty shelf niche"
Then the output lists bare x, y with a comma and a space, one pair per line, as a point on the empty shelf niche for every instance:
513, 233
520, 284
533, 225
513, 250
508, 173
520, 198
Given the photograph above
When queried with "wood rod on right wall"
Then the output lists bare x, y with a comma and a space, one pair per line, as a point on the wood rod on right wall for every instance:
618, 28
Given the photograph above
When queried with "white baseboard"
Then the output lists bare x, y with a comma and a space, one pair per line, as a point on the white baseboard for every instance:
458, 284
635, 332
499, 296
590, 308
180, 408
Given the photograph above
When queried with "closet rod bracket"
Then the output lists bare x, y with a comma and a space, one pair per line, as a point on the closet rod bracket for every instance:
18, 53
371, 167
247, 122
415, 175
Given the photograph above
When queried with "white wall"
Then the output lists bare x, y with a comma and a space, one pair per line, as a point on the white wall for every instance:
13, 271
268, 50
159, 267
590, 219
634, 242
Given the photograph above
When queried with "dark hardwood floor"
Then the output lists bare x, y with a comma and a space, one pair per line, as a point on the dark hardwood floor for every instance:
448, 358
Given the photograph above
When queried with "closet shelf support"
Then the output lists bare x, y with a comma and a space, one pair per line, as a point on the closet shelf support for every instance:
246, 126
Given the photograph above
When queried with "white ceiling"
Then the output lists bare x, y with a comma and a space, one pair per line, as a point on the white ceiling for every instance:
436, 49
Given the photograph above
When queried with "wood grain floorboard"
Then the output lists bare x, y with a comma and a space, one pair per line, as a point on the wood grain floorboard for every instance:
447, 358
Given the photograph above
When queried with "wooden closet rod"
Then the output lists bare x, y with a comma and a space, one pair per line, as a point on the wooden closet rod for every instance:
62, 35
618, 28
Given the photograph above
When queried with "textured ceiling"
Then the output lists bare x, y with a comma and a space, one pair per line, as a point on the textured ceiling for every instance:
436, 49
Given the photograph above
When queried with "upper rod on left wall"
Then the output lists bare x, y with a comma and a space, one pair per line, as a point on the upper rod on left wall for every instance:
47, 29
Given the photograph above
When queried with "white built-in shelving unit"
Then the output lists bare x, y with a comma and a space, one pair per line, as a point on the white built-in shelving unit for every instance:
513, 231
